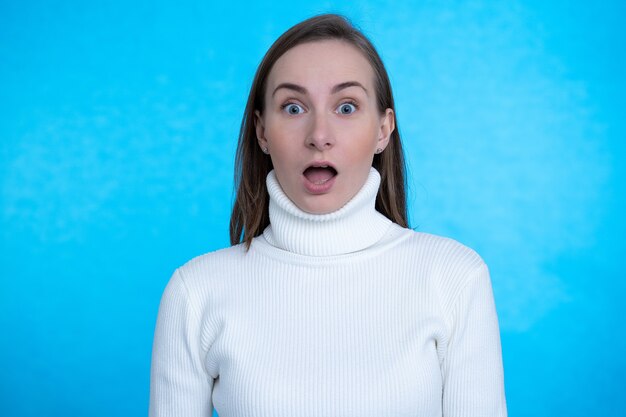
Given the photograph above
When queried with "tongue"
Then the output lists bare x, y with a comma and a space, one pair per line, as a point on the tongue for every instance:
319, 175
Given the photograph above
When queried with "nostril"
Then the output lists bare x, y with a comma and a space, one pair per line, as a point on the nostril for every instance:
319, 143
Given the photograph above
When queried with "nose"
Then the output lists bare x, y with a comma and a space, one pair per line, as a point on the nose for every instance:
320, 135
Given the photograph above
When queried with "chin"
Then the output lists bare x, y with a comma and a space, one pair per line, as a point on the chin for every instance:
319, 206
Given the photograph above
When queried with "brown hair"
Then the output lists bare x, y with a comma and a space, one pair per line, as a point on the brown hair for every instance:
250, 215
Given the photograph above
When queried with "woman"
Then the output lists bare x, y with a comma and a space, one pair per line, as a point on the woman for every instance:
326, 304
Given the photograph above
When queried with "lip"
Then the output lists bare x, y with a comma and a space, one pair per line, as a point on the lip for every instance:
319, 164
319, 188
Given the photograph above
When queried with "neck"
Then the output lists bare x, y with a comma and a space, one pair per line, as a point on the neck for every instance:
354, 227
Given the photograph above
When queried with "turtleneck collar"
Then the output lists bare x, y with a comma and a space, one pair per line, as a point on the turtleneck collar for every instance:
355, 226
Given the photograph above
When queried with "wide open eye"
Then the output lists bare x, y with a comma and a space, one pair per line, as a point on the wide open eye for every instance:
346, 108
293, 108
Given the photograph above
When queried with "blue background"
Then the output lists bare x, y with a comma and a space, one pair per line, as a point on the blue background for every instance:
118, 125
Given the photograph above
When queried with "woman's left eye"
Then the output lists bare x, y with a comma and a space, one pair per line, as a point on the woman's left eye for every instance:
346, 108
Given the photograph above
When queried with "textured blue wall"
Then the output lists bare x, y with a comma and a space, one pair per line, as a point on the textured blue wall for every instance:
118, 127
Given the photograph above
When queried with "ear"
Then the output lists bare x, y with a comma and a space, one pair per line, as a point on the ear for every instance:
260, 129
387, 126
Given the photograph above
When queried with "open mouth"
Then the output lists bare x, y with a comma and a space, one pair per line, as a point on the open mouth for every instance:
320, 174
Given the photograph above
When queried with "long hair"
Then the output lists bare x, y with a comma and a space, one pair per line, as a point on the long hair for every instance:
250, 215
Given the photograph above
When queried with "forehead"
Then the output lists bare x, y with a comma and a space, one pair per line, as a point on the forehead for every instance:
322, 63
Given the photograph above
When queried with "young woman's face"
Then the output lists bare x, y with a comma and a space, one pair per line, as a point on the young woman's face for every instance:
321, 125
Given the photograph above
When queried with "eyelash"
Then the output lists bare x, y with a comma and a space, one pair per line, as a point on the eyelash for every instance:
289, 103
351, 102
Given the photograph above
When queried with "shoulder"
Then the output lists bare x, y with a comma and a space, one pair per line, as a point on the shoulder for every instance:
213, 260
206, 273
441, 251
449, 264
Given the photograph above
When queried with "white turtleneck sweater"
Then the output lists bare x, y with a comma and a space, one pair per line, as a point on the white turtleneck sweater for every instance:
342, 314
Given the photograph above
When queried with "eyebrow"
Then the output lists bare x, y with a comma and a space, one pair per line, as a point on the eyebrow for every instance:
336, 89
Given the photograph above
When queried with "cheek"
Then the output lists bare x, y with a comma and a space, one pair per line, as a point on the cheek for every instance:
283, 148
363, 138
279, 122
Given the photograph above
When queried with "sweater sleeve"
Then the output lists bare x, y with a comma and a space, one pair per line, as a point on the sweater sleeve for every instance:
179, 383
473, 377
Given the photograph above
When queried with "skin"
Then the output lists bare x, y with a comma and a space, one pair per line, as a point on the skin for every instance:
320, 105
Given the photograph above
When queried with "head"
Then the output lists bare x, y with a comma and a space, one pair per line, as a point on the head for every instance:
323, 84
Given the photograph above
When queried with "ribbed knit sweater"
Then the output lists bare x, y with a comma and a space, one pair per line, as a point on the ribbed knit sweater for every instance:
341, 314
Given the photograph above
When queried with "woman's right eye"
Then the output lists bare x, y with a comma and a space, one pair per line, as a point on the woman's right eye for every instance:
292, 108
